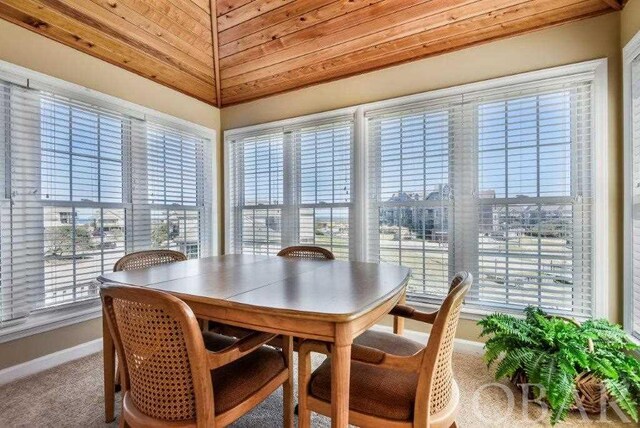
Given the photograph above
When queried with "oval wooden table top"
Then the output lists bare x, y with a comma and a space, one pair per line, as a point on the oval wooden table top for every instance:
330, 290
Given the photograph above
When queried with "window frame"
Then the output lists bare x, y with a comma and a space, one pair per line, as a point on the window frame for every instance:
291, 203
601, 224
49, 318
76, 205
629, 54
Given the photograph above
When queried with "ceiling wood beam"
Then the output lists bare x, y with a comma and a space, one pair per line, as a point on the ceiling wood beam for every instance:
614, 4
248, 11
321, 20
426, 16
121, 18
226, 6
216, 52
93, 16
459, 35
289, 13
88, 40
168, 18
230, 51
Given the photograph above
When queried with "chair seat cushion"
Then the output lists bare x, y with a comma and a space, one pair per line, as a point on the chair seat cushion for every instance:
373, 390
235, 382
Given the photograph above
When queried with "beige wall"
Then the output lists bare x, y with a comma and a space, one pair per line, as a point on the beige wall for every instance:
629, 21
584, 40
30, 50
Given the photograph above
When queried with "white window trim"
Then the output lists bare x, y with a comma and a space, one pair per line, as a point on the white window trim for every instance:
629, 53
51, 318
601, 279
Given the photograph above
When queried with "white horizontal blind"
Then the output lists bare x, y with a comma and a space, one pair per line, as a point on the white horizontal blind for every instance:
292, 186
324, 186
73, 178
256, 194
534, 197
171, 190
81, 165
410, 186
498, 183
635, 183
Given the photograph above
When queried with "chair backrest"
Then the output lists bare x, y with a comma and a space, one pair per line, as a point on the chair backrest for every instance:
144, 259
435, 384
161, 352
307, 252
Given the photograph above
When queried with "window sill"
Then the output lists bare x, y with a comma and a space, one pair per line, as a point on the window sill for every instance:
46, 320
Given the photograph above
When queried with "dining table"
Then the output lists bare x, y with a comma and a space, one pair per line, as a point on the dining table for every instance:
328, 300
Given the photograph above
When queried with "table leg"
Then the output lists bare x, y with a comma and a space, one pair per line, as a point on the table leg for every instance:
287, 388
108, 350
398, 322
340, 374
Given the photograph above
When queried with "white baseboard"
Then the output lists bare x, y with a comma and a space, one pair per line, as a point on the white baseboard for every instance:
462, 346
46, 362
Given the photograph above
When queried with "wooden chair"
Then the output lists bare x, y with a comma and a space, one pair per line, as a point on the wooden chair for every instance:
306, 252
395, 382
141, 260
144, 259
174, 375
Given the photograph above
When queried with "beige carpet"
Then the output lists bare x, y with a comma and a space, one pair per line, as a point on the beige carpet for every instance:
71, 396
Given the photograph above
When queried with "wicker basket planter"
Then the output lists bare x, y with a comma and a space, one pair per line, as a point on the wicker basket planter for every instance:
591, 394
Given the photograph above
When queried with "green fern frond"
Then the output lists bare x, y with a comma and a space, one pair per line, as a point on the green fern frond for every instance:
563, 390
513, 361
620, 392
552, 351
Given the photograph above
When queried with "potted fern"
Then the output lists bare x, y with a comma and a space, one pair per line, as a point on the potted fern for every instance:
561, 359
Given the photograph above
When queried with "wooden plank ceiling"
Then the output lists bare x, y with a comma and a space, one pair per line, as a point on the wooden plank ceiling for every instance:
249, 49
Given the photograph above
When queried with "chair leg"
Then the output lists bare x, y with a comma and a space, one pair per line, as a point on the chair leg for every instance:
287, 349
304, 375
118, 383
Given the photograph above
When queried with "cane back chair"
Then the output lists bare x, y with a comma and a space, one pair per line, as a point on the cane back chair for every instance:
395, 382
148, 258
141, 260
307, 252
174, 375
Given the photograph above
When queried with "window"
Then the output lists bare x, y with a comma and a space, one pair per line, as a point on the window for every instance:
324, 190
534, 217
632, 184
81, 164
495, 182
411, 194
170, 196
292, 186
87, 181
497, 178
257, 165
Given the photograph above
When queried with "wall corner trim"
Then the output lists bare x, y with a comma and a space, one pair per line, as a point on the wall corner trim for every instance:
49, 361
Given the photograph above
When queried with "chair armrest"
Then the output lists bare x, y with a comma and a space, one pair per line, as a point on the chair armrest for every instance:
366, 355
376, 357
405, 311
307, 346
239, 349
